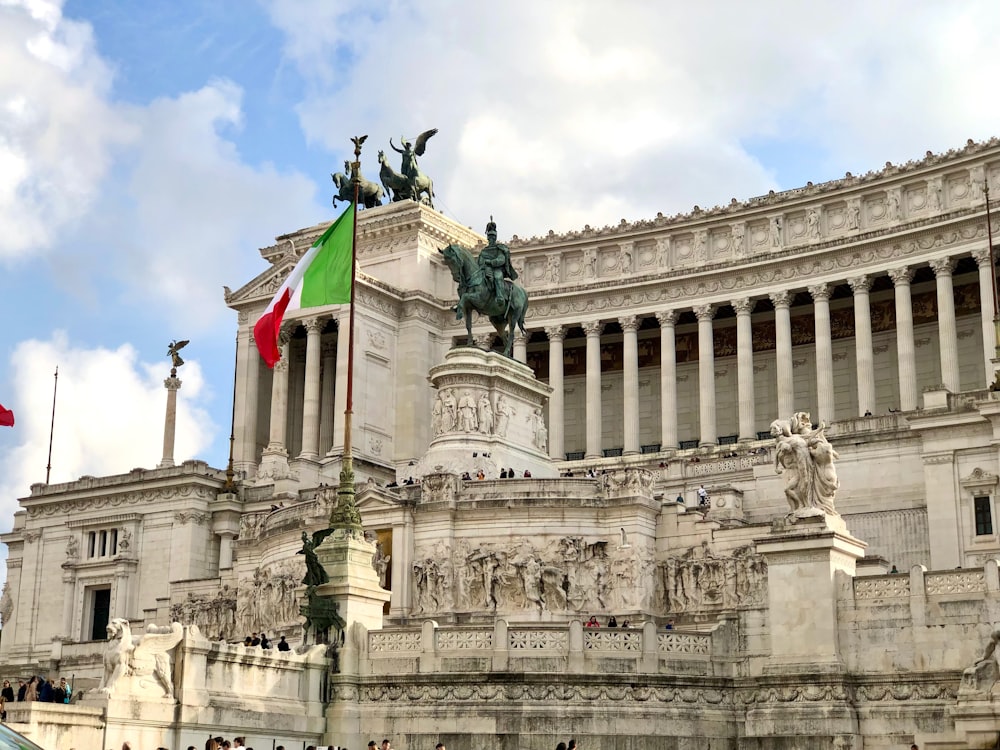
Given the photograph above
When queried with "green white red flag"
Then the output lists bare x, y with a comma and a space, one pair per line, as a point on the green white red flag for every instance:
323, 276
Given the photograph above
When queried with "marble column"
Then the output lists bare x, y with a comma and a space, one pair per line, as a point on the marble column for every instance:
593, 329
783, 353
630, 383
557, 403
328, 382
824, 353
744, 365
246, 423
226, 550
668, 379
69, 589
340, 388
310, 397
863, 355
279, 402
986, 306
172, 384
905, 351
520, 347
947, 331
706, 374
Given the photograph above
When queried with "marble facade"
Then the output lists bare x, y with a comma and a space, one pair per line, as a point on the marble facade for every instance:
658, 353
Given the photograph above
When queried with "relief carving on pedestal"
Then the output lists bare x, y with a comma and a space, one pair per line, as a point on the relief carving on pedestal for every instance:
573, 575
6, 604
215, 615
268, 600
699, 581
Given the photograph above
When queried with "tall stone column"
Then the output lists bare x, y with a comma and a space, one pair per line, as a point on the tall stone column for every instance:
226, 550
245, 458
172, 384
593, 329
69, 590
706, 374
986, 305
340, 390
557, 403
783, 353
744, 364
824, 352
947, 331
668, 379
310, 397
520, 347
279, 402
905, 352
863, 354
328, 382
630, 382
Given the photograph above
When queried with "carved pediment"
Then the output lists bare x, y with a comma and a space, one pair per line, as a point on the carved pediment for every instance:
979, 481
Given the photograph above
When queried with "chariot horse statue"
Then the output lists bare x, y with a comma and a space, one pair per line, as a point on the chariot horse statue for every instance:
476, 291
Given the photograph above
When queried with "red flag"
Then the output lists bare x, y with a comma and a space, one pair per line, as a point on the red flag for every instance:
6, 417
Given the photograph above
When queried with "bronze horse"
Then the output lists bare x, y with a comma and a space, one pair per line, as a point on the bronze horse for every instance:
476, 293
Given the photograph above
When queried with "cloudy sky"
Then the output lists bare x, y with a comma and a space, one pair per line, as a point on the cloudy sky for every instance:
147, 150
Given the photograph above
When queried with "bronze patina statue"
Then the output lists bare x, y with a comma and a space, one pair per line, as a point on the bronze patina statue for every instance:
417, 183
370, 194
486, 285
172, 349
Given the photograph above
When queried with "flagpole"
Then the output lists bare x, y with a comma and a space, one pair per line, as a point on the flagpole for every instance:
345, 515
52, 425
230, 473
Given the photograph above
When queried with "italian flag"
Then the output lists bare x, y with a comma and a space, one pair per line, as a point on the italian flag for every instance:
322, 276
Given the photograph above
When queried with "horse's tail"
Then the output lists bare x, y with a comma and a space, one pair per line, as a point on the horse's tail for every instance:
520, 317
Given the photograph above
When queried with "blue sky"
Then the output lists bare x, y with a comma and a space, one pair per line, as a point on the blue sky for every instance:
147, 150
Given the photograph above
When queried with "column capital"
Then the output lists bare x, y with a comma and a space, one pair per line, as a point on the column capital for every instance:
282, 364
743, 305
820, 292
982, 256
666, 318
942, 266
285, 335
629, 323
781, 299
860, 284
555, 333
704, 312
593, 327
901, 276
484, 340
314, 325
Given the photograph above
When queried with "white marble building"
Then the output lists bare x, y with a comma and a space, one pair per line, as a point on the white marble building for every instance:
669, 346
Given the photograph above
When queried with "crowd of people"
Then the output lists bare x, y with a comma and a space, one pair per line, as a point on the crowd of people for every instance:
35, 689
593, 622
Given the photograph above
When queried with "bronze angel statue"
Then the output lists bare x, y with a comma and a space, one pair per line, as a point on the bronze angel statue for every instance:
174, 347
419, 183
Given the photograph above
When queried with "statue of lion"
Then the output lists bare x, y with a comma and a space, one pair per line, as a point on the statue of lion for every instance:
140, 657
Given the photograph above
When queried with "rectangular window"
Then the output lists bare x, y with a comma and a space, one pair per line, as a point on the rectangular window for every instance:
104, 543
984, 516
99, 614
91, 544
114, 542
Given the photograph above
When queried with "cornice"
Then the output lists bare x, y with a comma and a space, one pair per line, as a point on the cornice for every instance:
776, 272
77, 503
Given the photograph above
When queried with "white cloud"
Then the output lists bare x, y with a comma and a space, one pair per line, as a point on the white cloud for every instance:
56, 126
196, 210
110, 411
563, 113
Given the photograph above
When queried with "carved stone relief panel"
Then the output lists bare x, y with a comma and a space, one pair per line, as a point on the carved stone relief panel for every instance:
698, 581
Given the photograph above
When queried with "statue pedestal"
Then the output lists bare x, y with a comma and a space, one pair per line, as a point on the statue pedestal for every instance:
488, 415
353, 581
803, 560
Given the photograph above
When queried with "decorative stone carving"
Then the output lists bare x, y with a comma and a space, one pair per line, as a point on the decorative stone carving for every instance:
468, 418
214, 616
774, 231
142, 665
268, 601
552, 269
590, 263
737, 240
697, 581
854, 214
979, 680
573, 575
805, 457
6, 604
502, 412
72, 550
625, 257
124, 541
812, 223
663, 252
380, 563
251, 524
485, 414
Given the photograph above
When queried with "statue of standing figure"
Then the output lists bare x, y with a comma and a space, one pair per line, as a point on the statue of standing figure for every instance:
805, 458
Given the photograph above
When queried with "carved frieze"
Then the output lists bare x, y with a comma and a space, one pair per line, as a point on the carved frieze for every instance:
698, 581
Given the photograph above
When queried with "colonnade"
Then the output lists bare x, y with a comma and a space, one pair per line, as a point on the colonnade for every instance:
743, 306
